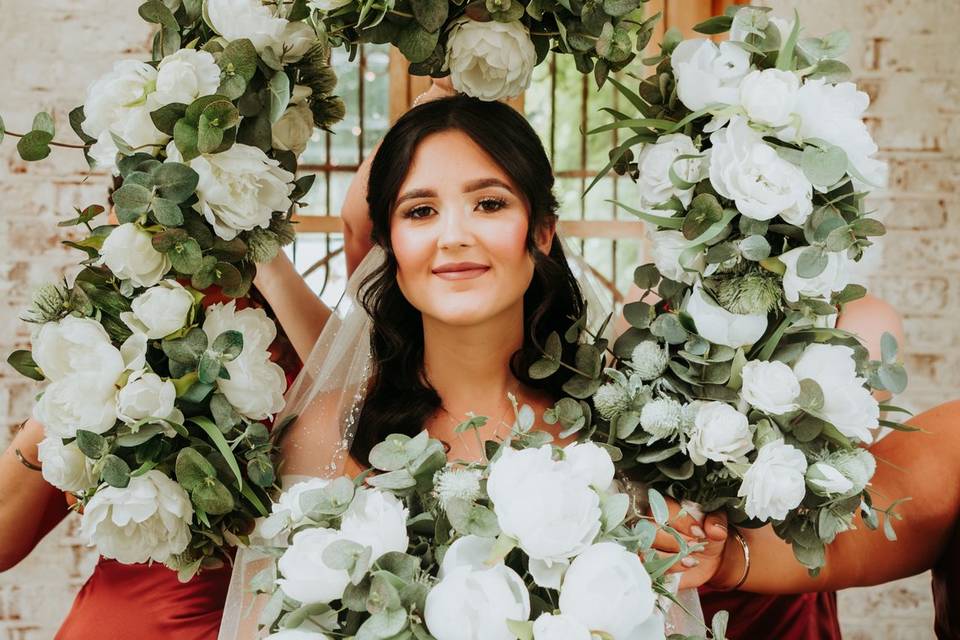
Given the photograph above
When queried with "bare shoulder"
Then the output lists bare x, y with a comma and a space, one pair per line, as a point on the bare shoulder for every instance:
869, 318
316, 437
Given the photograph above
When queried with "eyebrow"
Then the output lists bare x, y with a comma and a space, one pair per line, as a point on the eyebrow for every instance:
474, 185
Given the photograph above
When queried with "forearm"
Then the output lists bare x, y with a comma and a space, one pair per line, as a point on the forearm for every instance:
301, 313
29, 506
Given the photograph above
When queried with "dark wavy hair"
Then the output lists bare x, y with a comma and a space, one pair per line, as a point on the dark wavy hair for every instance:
399, 397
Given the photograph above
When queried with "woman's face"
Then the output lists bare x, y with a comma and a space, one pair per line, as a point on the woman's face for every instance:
459, 230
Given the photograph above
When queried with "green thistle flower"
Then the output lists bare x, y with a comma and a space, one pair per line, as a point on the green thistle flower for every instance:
750, 293
50, 303
661, 418
611, 400
263, 244
649, 360
284, 230
449, 484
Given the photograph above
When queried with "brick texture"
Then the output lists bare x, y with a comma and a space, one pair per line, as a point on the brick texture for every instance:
902, 55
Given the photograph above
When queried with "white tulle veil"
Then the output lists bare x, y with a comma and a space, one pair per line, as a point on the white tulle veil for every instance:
326, 398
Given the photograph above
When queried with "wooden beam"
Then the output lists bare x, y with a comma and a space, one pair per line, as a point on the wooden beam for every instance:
608, 229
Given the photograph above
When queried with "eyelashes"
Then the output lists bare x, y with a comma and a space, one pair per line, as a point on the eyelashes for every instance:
488, 205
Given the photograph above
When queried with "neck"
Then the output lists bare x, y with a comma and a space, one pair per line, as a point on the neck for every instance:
469, 366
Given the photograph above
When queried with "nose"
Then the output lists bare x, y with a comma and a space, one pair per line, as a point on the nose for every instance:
454, 228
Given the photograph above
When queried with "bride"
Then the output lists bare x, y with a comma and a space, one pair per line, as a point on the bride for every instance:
468, 280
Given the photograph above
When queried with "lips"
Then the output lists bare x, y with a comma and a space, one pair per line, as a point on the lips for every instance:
460, 270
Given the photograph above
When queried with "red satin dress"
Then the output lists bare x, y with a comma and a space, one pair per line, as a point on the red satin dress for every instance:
148, 602
946, 590
755, 616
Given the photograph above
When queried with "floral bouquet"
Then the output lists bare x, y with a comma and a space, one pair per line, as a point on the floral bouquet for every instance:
490, 47
536, 544
158, 397
733, 388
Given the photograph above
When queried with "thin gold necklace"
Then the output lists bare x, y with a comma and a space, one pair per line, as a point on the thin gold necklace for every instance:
470, 415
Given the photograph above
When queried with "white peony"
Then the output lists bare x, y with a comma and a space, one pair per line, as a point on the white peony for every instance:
667, 246
160, 310
591, 463
607, 589
834, 277
720, 326
128, 252
654, 162
559, 627
65, 466
77, 401
147, 395
774, 483
147, 520
295, 40
770, 96
747, 170
289, 500
475, 604
258, 330
75, 345
771, 387
847, 404
250, 19
376, 519
547, 505
239, 189
834, 112
294, 128
184, 76
490, 60
719, 433
306, 577
117, 103
708, 74
256, 386
328, 5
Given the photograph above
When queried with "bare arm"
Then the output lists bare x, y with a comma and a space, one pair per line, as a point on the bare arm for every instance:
869, 318
923, 466
29, 507
300, 311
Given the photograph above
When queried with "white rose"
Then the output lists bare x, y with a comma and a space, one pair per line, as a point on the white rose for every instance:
847, 404
720, 326
147, 520
551, 511
328, 5
306, 577
117, 102
654, 164
769, 96
294, 128
559, 627
239, 189
471, 604
129, 254
770, 386
147, 395
591, 463
490, 60
748, 171
75, 345
160, 310
719, 433
774, 483
708, 74
607, 589
258, 330
834, 277
667, 246
295, 40
184, 76
297, 634
834, 112
251, 19
134, 352
376, 519
65, 466
77, 401
256, 386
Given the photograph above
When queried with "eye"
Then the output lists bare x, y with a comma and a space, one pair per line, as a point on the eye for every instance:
418, 213
492, 204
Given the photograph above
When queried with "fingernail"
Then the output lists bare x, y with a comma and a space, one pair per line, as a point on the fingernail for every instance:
689, 562
697, 532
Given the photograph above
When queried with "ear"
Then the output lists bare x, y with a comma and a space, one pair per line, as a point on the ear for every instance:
544, 234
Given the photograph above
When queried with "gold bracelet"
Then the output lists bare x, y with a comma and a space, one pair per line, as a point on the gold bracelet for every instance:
746, 561
23, 460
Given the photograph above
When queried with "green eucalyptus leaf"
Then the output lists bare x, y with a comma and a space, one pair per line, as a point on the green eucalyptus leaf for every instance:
115, 471
22, 361
755, 248
186, 138
93, 445
430, 14
186, 257
279, 88
167, 212
213, 497
824, 167
188, 349
165, 118
34, 145
416, 43
812, 262
43, 121
175, 181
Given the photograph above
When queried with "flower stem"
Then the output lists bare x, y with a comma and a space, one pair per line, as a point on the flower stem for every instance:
52, 142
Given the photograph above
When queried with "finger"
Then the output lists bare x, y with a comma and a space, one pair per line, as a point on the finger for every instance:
715, 526
666, 542
679, 565
688, 525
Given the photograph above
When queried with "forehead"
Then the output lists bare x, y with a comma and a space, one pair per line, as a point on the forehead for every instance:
451, 158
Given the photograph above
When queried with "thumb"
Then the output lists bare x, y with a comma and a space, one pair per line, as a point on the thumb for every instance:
715, 526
